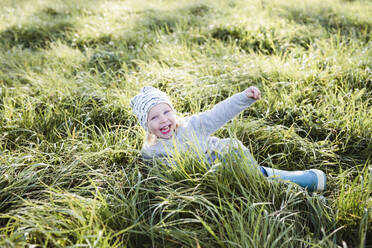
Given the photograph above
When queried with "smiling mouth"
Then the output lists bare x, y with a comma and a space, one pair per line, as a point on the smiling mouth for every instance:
166, 129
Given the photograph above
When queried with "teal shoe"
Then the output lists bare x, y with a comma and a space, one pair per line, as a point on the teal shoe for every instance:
312, 180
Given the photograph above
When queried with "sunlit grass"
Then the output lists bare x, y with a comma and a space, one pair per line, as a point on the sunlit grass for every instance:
71, 171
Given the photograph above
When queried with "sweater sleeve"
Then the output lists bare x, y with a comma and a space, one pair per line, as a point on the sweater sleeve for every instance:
208, 122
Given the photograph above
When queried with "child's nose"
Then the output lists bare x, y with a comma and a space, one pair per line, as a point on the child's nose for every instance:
162, 118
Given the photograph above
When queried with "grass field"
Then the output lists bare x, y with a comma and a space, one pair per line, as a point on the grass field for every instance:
71, 174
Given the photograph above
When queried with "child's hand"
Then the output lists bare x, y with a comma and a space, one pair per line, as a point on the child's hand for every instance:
253, 92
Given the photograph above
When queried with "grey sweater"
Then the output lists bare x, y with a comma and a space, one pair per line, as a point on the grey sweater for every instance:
194, 134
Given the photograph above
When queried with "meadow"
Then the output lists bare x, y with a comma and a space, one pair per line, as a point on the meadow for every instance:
71, 174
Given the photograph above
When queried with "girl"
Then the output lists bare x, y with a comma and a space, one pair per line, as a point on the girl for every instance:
166, 133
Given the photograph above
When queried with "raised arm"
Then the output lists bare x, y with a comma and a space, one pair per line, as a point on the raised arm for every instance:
211, 120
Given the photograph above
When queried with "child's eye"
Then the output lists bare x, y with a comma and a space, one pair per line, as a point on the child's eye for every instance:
166, 112
153, 118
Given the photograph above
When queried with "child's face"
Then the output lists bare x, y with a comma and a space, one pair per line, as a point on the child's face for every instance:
161, 121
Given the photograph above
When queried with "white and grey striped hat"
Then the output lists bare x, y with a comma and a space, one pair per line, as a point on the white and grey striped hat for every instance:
145, 100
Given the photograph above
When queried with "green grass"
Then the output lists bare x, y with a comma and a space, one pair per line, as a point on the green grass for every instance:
70, 170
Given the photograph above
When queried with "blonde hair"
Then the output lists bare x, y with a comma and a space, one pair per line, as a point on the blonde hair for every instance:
151, 139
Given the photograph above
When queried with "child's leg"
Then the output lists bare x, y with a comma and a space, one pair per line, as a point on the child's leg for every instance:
313, 180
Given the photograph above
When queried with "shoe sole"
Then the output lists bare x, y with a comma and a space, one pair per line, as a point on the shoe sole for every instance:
322, 180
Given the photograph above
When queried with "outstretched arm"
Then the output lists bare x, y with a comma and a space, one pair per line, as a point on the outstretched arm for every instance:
211, 120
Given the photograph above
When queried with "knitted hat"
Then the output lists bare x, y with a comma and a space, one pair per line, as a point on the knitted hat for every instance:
145, 100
